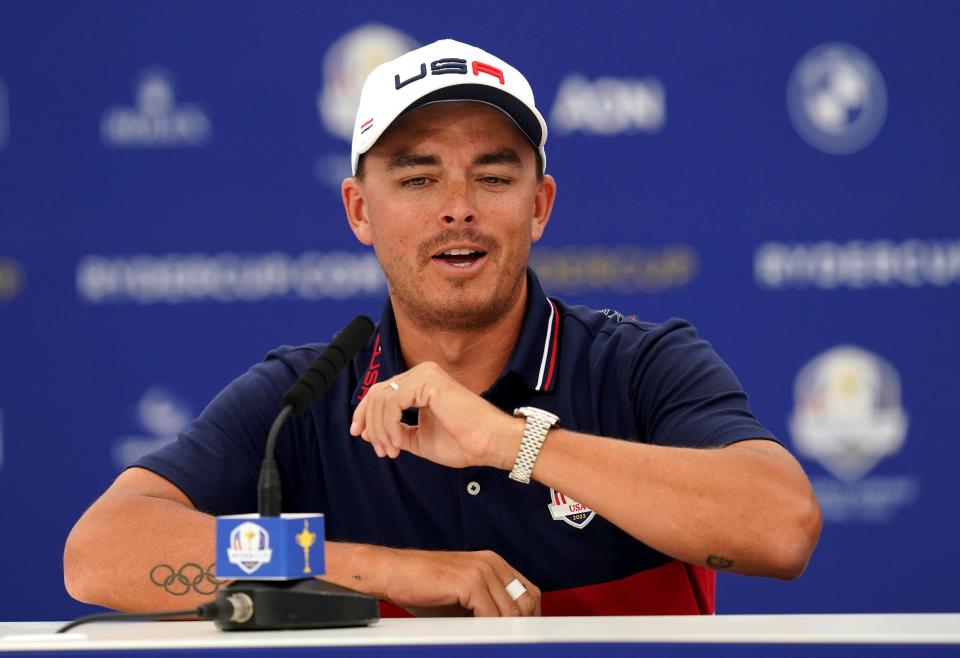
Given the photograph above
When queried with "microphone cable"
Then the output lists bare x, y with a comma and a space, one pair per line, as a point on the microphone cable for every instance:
236, 607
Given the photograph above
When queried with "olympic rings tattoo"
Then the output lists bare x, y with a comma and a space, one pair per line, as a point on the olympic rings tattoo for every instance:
181, 581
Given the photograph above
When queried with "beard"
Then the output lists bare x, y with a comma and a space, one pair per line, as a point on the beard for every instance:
467, 305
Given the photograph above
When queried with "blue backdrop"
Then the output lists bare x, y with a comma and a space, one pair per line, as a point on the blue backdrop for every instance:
784, 175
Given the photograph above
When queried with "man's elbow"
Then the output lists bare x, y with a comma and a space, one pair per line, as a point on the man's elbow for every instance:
795, 540
78, 560
72, 571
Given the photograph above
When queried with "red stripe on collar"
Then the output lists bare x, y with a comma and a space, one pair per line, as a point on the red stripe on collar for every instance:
551, 369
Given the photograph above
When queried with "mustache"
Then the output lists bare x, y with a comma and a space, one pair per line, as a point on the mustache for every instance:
429, 247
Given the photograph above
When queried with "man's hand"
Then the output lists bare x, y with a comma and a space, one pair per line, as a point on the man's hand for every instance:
457, 427
474, 581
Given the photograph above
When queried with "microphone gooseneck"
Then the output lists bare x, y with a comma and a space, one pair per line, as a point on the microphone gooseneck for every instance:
298, 398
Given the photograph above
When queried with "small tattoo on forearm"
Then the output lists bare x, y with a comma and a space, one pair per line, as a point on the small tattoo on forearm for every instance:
191, 577
357, 578
718, 562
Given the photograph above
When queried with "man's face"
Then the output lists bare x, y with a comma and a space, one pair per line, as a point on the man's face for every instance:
451, 202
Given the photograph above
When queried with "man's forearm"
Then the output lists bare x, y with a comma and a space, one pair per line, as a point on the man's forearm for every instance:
357, 566
141, 553
747, 508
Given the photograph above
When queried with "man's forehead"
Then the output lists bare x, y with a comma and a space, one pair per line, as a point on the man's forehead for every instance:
502, 156
482, 123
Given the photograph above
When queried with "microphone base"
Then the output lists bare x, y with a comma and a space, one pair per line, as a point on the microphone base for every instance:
300, 604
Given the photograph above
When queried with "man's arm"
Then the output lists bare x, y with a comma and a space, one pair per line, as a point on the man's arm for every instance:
141, 531
746, 508
143, 546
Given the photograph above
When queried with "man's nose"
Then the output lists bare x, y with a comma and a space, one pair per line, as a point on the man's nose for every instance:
458, 205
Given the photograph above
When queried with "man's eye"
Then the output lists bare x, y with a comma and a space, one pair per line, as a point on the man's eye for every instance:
495, 180
419, 181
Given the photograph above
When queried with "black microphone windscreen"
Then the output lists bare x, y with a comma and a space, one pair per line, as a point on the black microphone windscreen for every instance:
325, 367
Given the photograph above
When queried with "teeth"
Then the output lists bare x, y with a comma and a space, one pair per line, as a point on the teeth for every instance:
459, 252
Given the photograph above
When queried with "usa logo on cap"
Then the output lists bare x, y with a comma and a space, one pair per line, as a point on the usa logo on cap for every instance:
443, 71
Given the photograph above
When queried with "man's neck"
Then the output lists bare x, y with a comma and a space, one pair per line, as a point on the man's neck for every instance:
475, 358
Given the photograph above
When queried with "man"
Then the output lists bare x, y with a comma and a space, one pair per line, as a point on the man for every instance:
655, 476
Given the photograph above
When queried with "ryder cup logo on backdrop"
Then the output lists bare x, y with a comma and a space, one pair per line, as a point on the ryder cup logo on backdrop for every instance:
566, 509
609, 106
848, 416
348, 62
249, 547
837, 99
157, 120
162, 415
345, 68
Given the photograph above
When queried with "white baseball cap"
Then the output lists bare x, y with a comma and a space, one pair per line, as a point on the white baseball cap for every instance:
445, 70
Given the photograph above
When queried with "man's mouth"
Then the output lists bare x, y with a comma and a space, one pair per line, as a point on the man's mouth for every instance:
460, 257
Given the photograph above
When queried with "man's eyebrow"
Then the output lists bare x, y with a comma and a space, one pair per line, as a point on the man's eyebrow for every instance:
503, 156
401, 160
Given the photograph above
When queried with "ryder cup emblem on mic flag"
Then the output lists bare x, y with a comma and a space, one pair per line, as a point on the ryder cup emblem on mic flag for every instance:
286, 547
249, 547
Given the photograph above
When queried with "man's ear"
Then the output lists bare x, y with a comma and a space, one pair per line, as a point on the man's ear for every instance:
543, 206
354, 202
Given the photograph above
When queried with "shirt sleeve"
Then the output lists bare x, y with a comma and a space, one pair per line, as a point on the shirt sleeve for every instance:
685, 395
216, 461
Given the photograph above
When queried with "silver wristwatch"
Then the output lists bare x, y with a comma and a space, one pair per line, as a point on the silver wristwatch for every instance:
539, 422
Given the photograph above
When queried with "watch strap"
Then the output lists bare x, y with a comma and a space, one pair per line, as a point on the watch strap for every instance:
538, 424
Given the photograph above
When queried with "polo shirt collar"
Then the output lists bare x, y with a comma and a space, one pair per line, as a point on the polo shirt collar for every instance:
534, 357
384, 360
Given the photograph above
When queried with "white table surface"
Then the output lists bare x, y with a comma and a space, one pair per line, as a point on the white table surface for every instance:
772, 629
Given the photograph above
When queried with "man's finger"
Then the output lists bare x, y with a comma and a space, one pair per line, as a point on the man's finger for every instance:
524, 594
515, 589
523, 597
376, 409
393, 420
358, 423
504, 575
532, 596
529, 601
495, 574
481, 603
376, 446
408, 438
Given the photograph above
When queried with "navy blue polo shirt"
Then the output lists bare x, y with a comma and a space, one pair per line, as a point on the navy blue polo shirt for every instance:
600, 372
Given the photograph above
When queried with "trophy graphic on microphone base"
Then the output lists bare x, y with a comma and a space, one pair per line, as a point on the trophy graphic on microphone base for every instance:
306, 540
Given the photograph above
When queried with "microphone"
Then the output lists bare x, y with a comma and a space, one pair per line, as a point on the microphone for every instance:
325, 367
301, 395
277, 547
